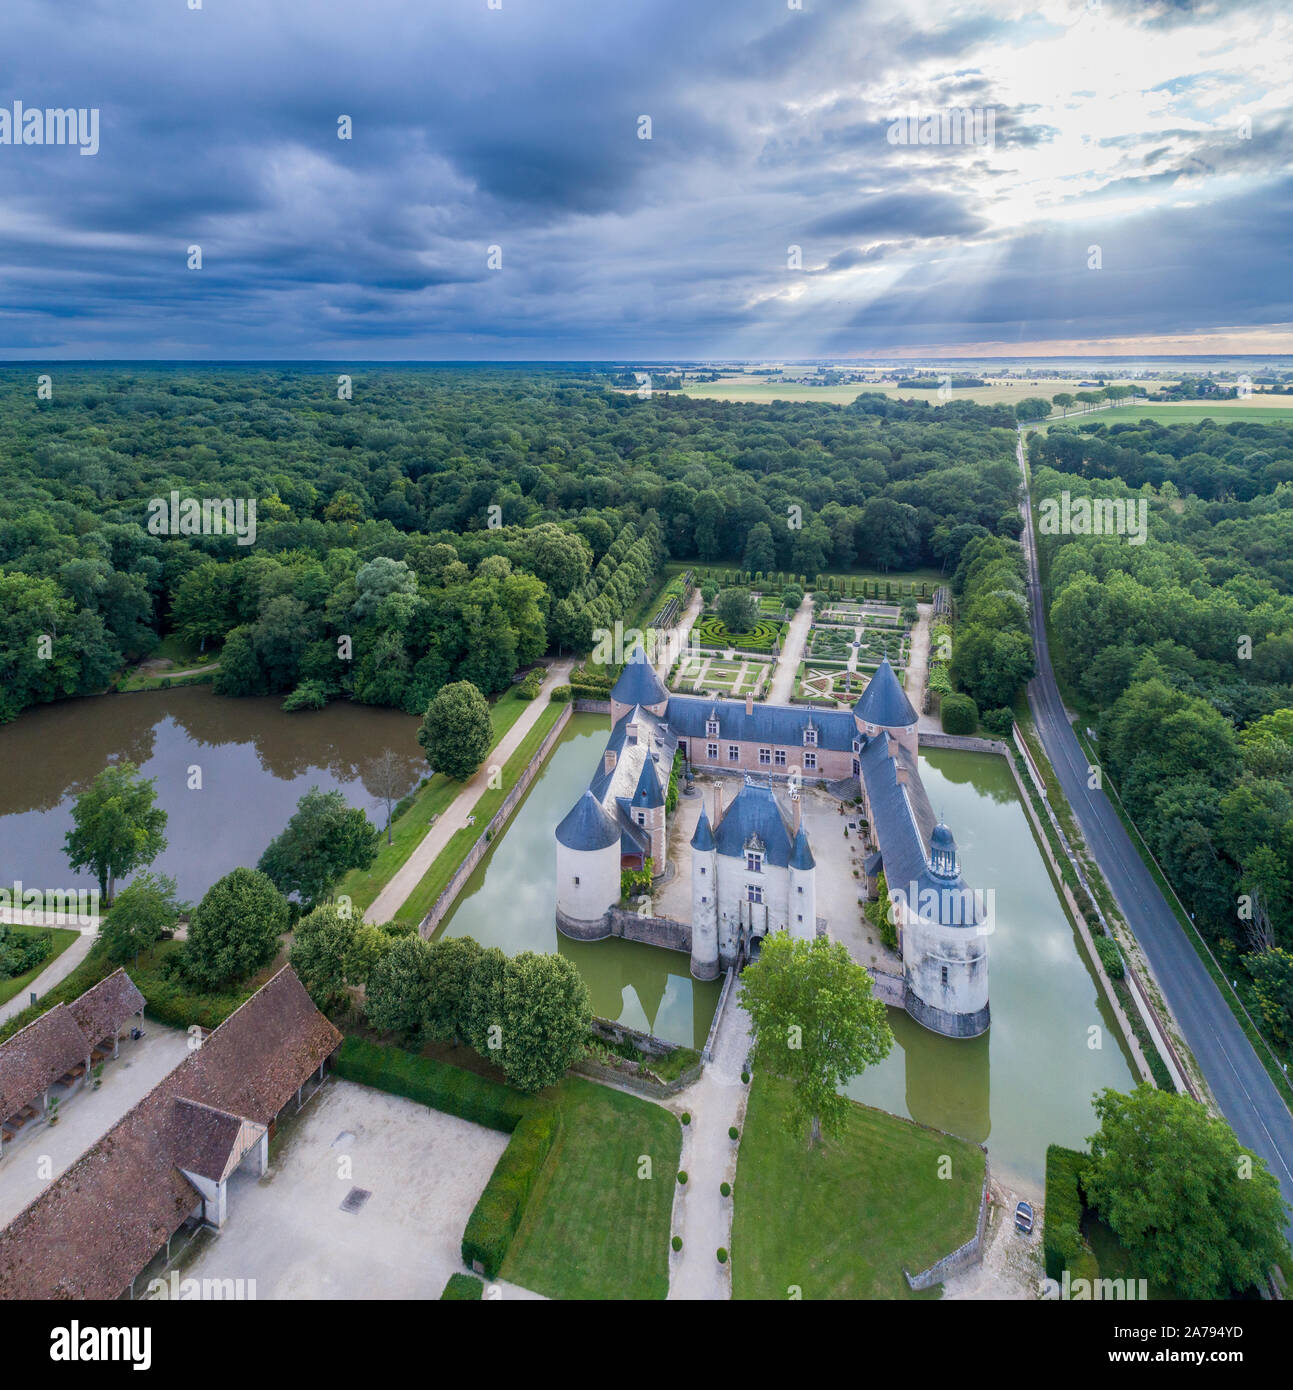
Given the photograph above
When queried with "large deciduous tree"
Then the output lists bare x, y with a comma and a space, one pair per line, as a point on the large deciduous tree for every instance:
322, 842
235, 929
816, 1024
116, 826
456, 734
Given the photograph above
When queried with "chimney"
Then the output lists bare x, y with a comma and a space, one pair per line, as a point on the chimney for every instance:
749, 702
608, 761
718, 803
796, 804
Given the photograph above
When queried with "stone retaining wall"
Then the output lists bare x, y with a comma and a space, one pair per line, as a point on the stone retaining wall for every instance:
499, 819
963, 1256
583, 706
623, 922
929, 739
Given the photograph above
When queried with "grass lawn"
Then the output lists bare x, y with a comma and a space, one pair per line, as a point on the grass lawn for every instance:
408, 830
436, 879
63, 938
842, 1221
594, 1228
1187, 413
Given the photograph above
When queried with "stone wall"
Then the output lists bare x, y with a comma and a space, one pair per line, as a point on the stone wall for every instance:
486, 837
582, 706
623, 922
929, 739
964, 1255
890, 988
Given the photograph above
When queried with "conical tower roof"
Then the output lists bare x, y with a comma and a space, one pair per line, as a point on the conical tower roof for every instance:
884, 702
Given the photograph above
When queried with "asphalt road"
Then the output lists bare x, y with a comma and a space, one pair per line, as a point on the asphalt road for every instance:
1246, 1095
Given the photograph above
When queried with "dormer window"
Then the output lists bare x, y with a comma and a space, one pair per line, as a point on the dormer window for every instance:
711, 728
810, 738
754, 861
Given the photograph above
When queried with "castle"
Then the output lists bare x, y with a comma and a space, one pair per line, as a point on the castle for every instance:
752, 868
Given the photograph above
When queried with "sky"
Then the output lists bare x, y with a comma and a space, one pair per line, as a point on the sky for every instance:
496, 198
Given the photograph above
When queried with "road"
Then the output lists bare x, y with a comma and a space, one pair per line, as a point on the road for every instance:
1245, 1094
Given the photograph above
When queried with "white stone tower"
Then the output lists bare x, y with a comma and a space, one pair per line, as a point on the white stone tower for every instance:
704, 901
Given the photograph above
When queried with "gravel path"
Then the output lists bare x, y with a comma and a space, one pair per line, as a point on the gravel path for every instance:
782, 690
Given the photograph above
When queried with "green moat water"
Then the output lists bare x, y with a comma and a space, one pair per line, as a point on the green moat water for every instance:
510, 901
1028, 1081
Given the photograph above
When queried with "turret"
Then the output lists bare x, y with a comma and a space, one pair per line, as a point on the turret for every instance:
704, 901
802, 910
647, 810
588, 866
884, 705
638, 684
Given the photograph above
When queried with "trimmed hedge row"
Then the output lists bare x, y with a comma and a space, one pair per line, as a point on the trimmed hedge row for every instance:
431, 1082
495, 1218
462, 1288
1062, 1243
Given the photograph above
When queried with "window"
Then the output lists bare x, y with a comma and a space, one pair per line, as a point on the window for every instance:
800, 918
711, 750
810, 762
711, 727
754, 892
765, 756
810, 737
945, 977
780, 757
704, 900
733, 752
754, 861
641, 817
702, 875
576, 878
800, 889
857, 768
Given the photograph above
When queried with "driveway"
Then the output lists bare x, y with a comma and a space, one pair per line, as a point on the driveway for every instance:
287, 1231
782, 689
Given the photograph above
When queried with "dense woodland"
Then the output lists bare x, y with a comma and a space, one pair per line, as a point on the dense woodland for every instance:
1184, 645
397, 527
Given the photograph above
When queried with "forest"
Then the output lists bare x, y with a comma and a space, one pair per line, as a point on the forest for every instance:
1183, 648
403, 512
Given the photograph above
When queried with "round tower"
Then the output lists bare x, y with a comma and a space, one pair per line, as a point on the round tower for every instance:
638, 684
802, 908
704, 901
588, 869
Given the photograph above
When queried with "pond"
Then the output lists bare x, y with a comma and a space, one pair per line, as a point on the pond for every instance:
1028, 1081
253, 762
510, 901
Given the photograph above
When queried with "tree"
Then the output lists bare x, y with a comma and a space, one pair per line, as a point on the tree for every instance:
1272, 973
448, 998
816, 1024
116, 827
736, 610
322, 842
1192, 1207
1032, 408
760, 553
389, 777
456, 734
235, 929
960, 714
396, 997
546, 1015
145, 908
1065, 400
484, 1014
329, 955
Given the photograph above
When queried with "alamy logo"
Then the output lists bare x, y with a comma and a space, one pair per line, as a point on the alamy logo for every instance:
52, 125
77, 1343
1066, 515
950, 907
956, 125
41, 907
209, 1290
1095, 1290
203, 516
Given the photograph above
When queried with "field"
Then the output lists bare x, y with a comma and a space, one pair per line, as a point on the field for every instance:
595, 1226
994, 393
727, 678
841, 1221
1263, 409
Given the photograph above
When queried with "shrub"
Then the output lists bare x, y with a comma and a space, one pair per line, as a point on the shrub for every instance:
686, 1117
676, 1242
1110, 957
495, 1218
464, 1288
999, 722
722, 1254
960, 714
560, 695
733, 1132
725, 1189
745, 1078
432, 1083
682, 1178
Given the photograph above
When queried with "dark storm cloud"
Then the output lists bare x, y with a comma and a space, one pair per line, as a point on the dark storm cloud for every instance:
518, 128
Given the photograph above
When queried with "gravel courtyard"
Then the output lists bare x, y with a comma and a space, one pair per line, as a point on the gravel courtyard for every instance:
288, 1232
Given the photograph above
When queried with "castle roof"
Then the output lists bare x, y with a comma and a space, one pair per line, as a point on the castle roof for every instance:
902, 821
755, 814
587, 826
647, 793
638, 683
782, 725
703, 838
884, 702
801, 856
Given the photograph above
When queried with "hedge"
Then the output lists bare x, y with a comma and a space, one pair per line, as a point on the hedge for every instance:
431, 1082
1110, 957
462, 1288
960, 714
495, 1218
1062, 1243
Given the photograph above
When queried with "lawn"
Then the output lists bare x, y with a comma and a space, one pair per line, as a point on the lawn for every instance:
1188, 413
432, 800
840, 1222
63, 938
594, 1227
436, 879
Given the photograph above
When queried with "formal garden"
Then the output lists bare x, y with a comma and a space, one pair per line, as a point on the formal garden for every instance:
708, 675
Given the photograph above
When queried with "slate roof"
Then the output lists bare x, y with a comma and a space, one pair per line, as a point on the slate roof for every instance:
587, 826
101, 1011
801, 857
702, 837
93, 1229
638, 683
647, 794
754, 811
766, 724
884, 702
903, 823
